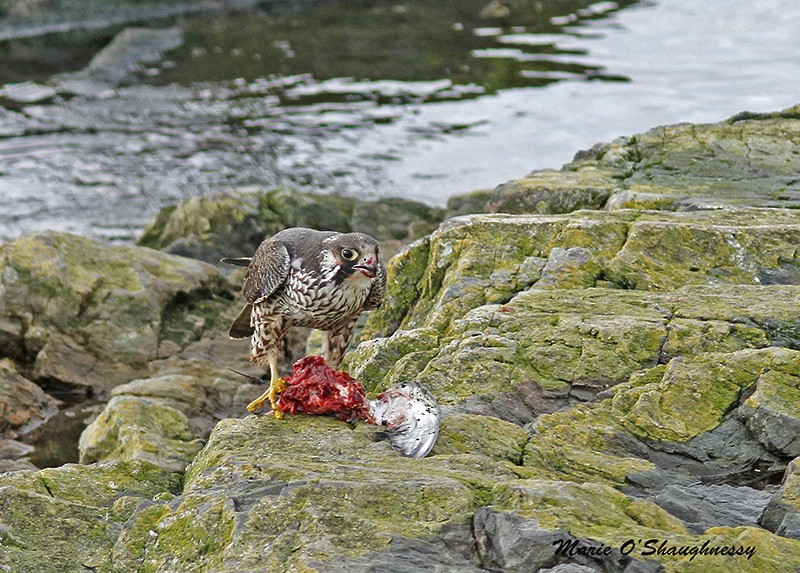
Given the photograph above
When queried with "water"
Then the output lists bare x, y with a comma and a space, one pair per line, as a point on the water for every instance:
421, 100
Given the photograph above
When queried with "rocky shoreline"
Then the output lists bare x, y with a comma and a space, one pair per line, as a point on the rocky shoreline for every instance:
616, 347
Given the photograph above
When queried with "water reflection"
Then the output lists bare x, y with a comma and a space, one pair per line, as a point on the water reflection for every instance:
419, 99
410, 42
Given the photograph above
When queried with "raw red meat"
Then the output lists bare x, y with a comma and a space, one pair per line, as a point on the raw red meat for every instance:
315, 388
408, 413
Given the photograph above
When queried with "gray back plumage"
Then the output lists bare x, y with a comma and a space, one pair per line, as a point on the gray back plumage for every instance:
267, 271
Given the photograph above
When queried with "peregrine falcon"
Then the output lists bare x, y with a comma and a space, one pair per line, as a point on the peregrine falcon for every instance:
303, 277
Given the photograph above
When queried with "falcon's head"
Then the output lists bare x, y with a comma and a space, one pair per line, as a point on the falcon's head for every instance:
355, 254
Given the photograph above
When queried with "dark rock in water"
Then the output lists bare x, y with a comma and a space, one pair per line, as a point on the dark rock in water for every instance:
127, 53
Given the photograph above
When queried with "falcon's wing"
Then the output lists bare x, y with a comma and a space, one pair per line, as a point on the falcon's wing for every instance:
267, 271
375, 296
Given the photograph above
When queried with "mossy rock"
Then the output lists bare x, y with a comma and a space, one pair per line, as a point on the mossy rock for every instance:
549, 191
96, 315
748, 160
604, 441
213, 226
782, 514
575, 342
485, 259
695, 394
68, 518
132, 428
772, 412
96, 485
482, 435
303, 491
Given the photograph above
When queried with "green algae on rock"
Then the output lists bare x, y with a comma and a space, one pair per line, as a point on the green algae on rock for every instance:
214, 226
576, 342
68, 518
94, 315
299, 491
587, 363
748, 160
137, 428
480, 259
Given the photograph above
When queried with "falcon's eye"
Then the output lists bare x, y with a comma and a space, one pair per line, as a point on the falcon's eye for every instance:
349, 254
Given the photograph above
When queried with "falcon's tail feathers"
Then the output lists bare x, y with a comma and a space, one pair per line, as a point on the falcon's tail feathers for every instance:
240, 328
238, 261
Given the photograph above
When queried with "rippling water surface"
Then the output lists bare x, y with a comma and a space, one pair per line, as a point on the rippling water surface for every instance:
415, 99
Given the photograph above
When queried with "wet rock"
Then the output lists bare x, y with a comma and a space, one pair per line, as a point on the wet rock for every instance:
782, 513
211, 227
746, 160
93, 315
23, 404
128, 51
701, 507
771, 412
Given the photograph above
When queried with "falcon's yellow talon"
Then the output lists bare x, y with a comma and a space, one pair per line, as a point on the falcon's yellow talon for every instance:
275, 388
257, 404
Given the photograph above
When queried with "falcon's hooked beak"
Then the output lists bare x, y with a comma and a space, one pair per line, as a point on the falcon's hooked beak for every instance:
368, 267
